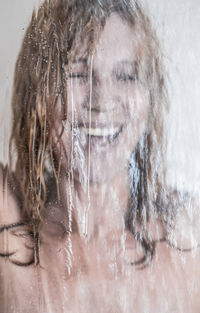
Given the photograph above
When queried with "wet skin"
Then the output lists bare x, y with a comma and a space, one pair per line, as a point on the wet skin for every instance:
105, 90
100, 279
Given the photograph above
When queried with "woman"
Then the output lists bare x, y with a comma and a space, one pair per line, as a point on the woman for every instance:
87, 204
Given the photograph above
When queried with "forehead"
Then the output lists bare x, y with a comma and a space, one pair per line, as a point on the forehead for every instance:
118, 40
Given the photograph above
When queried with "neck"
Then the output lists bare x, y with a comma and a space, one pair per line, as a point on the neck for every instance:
99, 210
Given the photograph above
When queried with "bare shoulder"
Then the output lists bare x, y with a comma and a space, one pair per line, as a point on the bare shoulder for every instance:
185, 232
9, 206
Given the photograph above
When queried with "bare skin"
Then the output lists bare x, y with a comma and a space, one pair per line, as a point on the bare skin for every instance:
100, 277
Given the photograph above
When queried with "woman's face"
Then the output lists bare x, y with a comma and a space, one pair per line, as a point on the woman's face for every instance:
107, 104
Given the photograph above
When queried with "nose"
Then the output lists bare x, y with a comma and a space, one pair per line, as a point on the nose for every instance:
100, 97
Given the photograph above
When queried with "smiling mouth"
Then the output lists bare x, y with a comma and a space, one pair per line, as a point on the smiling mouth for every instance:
102, 136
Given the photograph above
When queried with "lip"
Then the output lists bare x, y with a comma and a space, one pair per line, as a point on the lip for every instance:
98, 143
100, 125
104, 142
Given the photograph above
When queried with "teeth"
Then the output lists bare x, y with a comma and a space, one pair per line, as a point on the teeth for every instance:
101, 131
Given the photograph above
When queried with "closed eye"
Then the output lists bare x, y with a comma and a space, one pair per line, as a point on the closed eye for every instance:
25, 233
126, 78
78, 75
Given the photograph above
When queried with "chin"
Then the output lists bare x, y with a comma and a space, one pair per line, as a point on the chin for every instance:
98, 174
99, 178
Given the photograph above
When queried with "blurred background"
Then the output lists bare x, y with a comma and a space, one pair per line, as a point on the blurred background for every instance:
178, 27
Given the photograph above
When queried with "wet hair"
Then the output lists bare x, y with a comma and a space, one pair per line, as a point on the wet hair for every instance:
40, 78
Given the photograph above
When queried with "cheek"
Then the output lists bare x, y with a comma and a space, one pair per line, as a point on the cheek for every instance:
77, 97
138, 106
137, 116
138, 103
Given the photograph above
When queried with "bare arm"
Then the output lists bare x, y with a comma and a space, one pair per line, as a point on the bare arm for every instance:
9, 210
15, 236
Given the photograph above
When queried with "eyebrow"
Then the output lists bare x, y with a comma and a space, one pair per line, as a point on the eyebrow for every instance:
80, 60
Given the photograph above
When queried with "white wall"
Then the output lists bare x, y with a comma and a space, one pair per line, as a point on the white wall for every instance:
178, 25
14, 17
